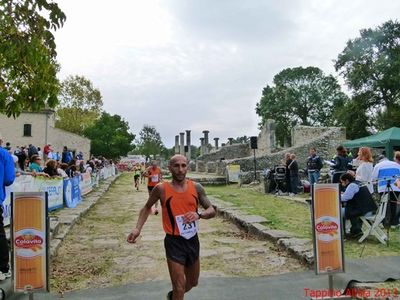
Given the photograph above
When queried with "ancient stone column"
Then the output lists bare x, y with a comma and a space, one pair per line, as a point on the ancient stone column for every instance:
201, 146
182, 143
189, 152
230, 141
177, 144
216, 143
206, 141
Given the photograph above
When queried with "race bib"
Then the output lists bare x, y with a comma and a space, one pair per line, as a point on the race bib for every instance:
187, 230
154, 178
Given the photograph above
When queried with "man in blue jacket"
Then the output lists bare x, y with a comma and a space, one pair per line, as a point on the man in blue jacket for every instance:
7, 177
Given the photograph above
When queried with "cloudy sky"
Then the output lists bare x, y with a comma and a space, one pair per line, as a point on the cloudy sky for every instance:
202, 64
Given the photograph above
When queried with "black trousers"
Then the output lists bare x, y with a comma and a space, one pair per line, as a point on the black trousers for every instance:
4, 252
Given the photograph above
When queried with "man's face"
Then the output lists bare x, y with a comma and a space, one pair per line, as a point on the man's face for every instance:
312, 152
344, 183
178, 168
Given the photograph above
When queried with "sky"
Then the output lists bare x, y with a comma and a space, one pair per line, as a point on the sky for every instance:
202, 64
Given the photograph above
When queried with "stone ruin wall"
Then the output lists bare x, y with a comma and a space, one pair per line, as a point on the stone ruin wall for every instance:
325, 140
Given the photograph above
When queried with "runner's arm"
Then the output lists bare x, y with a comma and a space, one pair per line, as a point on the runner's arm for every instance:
209, 211
144, 214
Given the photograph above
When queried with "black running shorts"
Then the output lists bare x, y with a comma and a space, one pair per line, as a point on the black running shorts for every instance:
150, 188
181, 250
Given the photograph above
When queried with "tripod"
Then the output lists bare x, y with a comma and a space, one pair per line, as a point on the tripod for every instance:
384, 207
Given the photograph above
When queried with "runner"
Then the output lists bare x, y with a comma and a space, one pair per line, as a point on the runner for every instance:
153, 173
136, 175
179, 199
143, 169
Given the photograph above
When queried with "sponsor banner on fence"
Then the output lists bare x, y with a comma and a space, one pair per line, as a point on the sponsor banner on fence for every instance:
72, 192
29, 234
27, 183
86, 183
327, 229
233, 172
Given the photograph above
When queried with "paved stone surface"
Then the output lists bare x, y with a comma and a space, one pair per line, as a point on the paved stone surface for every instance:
95, 252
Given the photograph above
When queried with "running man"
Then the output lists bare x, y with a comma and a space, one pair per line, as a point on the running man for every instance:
179, 200
154, 176
136, 175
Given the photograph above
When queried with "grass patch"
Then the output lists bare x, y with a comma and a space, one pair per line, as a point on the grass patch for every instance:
295, 218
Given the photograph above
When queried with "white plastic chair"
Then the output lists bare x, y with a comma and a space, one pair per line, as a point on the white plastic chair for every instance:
373, 223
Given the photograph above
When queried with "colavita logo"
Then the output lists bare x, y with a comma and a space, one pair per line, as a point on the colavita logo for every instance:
326, 227
28, 241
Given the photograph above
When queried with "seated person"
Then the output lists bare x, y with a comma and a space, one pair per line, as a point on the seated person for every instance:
51, 168
358, 202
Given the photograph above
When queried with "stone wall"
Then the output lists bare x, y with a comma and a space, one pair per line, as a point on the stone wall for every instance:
266, 138
227, 152
305, 133
325, 145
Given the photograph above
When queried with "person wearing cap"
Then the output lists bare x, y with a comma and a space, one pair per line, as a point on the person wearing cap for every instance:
386, 172
7, 177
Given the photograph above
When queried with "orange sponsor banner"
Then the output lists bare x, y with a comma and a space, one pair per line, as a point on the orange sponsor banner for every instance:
30, 241
327, 229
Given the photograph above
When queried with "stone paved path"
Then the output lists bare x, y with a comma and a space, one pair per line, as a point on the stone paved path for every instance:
95, 252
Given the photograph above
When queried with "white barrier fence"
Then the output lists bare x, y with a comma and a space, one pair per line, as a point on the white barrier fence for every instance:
54, 188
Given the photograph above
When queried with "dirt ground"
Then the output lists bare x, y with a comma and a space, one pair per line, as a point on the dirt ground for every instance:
95, 252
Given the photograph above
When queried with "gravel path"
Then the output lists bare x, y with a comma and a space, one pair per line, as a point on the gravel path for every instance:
95, 252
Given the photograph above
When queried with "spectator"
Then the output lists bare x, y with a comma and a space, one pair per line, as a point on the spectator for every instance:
287, 162
46, 150
82, 166
61, 170
32, 150
8, 146
340, 166
365, 168
358, 202
294, 174
79, 156
51, 168
35, 164
71, 171
56, 156
40, 153
7, 177
314, 166
20, 153
66, 156
386, 172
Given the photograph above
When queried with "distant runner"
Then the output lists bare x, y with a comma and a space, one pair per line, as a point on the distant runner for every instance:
136, 175
154, 177
180, 200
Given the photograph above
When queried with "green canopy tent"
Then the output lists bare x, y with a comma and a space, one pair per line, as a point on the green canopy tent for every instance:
388, 139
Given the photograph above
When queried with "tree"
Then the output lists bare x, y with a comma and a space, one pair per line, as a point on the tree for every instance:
301, 96
149, 141
28, 64
354, 116
80, 104
110, 136
370, 65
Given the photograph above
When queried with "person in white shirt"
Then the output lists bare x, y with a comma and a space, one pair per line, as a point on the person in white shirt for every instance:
365, 168
385, 172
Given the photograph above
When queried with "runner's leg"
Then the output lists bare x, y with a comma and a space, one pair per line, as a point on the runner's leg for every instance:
177, 275
192, 273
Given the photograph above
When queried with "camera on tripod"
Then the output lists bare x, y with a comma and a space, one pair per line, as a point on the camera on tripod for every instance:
280, 179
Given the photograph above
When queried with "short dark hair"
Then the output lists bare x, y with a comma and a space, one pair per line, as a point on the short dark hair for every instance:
347, 176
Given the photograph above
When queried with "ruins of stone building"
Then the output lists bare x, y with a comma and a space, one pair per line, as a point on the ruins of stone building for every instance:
324, 139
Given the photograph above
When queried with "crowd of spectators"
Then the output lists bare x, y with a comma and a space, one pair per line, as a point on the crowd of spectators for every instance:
30, 160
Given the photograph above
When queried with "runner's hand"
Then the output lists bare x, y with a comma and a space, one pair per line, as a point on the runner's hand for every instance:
133, 236
190, 217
